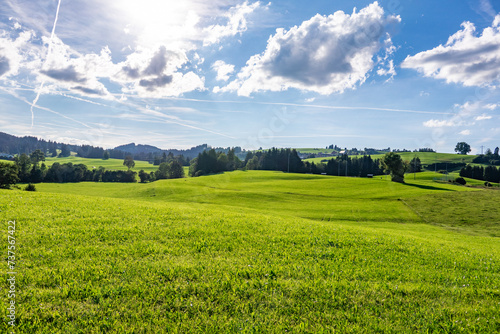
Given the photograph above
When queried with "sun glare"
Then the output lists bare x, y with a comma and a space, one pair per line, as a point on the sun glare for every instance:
158, 21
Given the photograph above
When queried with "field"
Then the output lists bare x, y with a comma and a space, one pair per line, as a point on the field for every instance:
110, 164
426, 158
256, 251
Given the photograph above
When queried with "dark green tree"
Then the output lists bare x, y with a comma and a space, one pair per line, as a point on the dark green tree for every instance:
143, 176
496, 151
65, 151
176, 171
394, 164
8, 175
37, 156
129, 162
105, 155
415, 165
462, 148
23, 163
162, 172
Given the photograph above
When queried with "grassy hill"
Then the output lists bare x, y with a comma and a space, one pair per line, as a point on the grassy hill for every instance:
256, 251
426, 158
110, 164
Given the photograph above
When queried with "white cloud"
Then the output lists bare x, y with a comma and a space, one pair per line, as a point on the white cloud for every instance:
236, 23
492, 106
434, 123
15, 52
157, 55
483, 117
466, 58
223, 70
465, 115
465, 133
325, 54
156, 73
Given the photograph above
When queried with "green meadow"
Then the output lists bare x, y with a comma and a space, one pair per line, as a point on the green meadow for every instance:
109, 164
256, 252
426, 158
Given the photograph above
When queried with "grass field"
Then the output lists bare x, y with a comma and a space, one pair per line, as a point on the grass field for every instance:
110, 164
254, 252
426, 158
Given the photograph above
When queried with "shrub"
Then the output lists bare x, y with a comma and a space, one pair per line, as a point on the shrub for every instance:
460, 180
30, 187
487, 184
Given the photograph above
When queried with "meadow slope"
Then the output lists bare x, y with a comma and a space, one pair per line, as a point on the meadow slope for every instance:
253, 252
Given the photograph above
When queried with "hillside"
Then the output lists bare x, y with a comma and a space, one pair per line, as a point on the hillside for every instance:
426, 158
255, 251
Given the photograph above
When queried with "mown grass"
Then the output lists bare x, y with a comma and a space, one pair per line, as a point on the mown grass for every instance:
252, 252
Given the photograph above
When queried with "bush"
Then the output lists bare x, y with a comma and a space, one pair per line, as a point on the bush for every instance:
30, 187
487, 184
460, 180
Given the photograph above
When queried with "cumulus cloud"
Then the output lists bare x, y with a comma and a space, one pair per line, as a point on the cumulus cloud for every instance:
154, 83
325, 54
223, 70
68, 74
4, 65
434, 123
157, 56
236, 23
465, 133
14, 52
156, 73
465, 115
466, 58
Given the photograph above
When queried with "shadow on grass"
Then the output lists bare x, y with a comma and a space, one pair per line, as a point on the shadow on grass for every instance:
421, 186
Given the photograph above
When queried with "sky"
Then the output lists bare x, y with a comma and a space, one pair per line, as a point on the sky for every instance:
404, 74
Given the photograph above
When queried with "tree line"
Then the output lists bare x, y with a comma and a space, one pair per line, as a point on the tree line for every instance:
489, 158
285, 160
488, 173
32, 169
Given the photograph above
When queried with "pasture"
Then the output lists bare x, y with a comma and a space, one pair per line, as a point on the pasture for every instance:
426, 158
256, 251
110, 164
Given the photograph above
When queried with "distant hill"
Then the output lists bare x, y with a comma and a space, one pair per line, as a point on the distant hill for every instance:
135, 149
145, 151
12, 145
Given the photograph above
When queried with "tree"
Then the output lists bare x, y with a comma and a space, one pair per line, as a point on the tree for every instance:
65, 151
23, 163
176, 171
162, 172
37, 156
105, 155
53, 150
462, 148
129, 162
496, 151
8, 175
415, 165
393, 163
143, 176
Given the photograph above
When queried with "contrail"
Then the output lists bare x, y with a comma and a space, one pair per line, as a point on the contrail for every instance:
306, 105
48, 53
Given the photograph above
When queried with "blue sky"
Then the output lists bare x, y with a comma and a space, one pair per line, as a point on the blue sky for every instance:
175, 74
